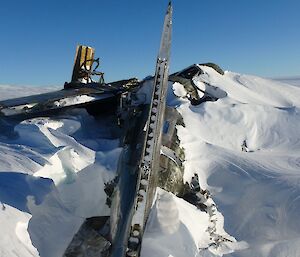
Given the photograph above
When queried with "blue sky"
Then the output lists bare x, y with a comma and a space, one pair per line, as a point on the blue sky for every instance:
38, 38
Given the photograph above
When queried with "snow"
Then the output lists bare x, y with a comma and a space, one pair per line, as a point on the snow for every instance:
13, 91
174, 220
17, 109
74, 100
15, 240
53, 170
179, 90
257, 191
52, 177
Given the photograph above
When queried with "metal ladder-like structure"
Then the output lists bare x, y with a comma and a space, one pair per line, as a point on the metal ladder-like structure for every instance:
149, 165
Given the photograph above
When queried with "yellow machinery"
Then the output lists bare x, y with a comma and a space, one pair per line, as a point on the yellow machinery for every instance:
83, 69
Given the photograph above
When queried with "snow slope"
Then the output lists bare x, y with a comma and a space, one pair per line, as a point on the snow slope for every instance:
256, 191
52, 174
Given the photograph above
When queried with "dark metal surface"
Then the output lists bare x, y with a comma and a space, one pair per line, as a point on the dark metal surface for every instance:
43, 104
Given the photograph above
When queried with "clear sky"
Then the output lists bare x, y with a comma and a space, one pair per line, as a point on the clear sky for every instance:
39, 37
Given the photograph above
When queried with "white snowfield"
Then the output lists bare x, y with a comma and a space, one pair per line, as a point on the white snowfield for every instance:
52, 175
8, 91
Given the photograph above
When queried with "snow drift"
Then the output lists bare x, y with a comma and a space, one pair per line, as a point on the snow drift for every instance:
257, 191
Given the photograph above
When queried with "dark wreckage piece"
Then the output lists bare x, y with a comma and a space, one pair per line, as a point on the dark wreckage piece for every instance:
82, 91
135, 190
132, 193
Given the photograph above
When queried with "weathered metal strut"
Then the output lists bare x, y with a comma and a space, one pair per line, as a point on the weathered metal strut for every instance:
149, 165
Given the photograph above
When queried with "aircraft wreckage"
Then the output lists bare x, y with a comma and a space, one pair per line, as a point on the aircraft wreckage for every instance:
151, 156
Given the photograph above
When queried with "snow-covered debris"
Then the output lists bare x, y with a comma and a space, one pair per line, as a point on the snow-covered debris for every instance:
244, 147
52, 177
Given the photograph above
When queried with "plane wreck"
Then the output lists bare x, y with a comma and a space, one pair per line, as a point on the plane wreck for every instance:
151, 154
